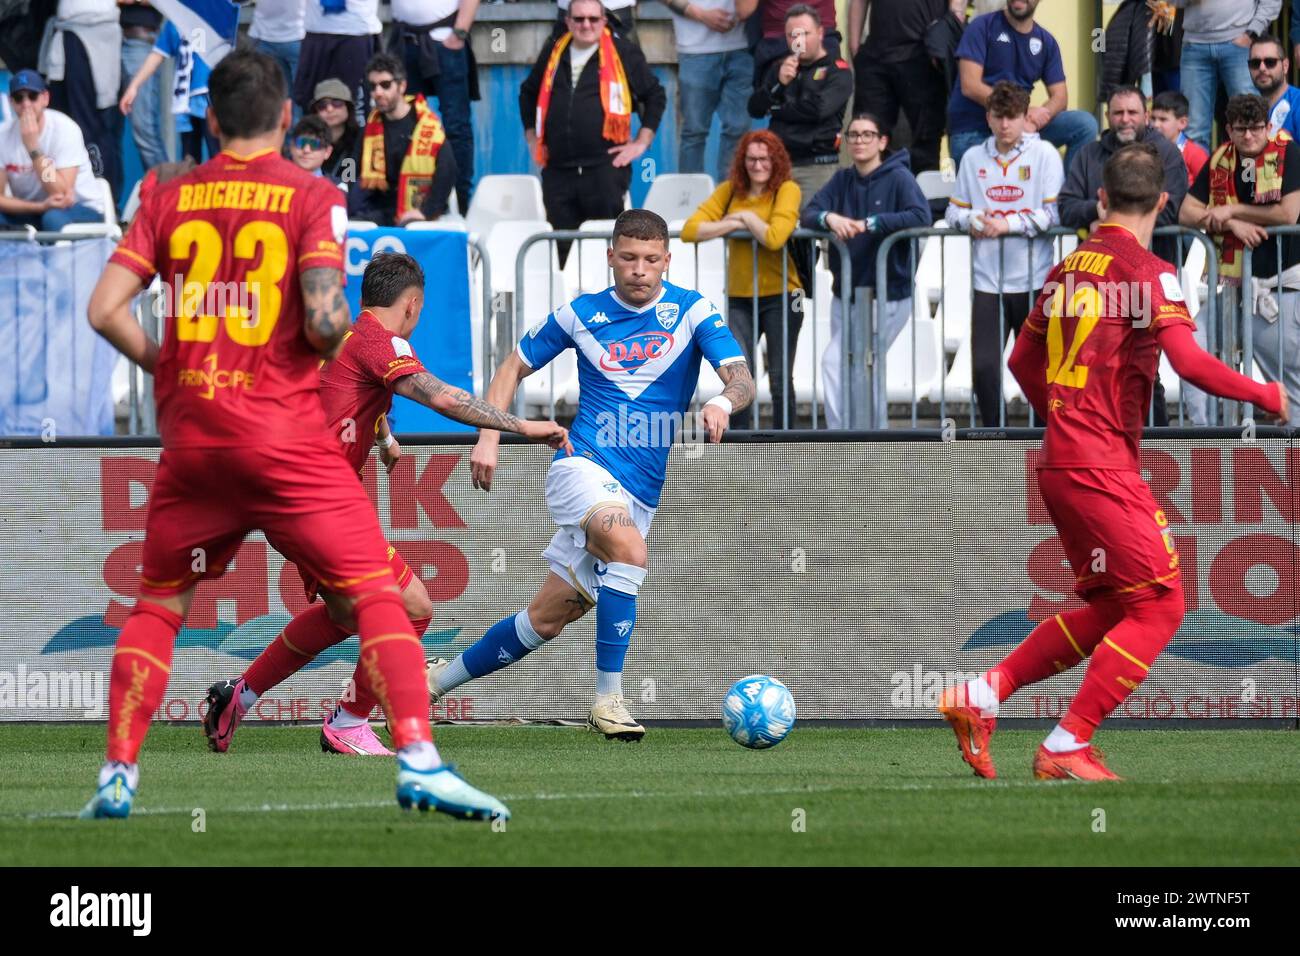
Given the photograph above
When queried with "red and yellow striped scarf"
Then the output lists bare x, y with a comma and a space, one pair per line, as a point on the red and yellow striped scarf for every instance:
418, 165
1223, 191
615, 94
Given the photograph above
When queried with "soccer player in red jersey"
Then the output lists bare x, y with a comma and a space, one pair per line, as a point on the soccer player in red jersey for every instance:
249, 248
357, 386
1086, 360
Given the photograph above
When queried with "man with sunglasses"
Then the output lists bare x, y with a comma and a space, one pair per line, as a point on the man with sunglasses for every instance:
1269, 69
43, 161
1250, 183
1217, 35
407, 168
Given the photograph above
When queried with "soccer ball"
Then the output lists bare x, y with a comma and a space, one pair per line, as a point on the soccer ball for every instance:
758, 711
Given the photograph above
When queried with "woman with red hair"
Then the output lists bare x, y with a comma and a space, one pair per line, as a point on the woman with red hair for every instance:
759, 198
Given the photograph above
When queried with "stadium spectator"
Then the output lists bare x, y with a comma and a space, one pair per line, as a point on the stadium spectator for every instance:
435, 48
308, 144
278, 27
759, 197
1009, 45
893, 69
620, 16
805, 94
140, 24
1007, 186
576, 106
332, 102
44, 163
406, 173
715, 73
81, 59
1250, 183
1169, 118
1269, 68
1216, 44
862, 204
189, 93
766, 32
341, 37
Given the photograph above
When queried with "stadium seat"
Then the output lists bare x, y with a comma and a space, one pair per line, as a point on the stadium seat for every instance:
498, 198
132, 202
440, 225
699, 265
934, 185
944, 266
903, 369
503, 247
111, 230
678, 195
813, 338
361, 225
110, 208
587, 269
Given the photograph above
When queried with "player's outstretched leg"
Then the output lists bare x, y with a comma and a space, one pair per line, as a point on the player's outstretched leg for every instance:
1055, 645
1119, 664
137, 681
309, 633
556, 605
615, 620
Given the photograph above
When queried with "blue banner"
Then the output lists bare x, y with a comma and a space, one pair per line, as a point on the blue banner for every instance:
55, 372
442, 340
209, 25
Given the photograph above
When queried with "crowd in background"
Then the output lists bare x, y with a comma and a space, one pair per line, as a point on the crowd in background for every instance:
389, 119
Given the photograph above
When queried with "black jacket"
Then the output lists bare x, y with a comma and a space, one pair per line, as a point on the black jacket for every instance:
1078, 201
808, 114
575, 117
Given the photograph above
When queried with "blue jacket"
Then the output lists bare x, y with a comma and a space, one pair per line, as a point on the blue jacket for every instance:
891, 194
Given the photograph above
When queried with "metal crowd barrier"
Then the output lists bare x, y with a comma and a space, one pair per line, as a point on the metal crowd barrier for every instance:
869, 321
1272, 361
854, 359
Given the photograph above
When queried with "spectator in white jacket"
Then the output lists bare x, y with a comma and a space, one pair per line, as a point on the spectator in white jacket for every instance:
1006, 187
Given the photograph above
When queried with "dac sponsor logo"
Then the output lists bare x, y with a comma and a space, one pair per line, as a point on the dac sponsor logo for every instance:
629, 354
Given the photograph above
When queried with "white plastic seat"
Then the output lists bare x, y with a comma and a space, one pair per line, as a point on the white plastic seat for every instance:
678, 195
699, 265
440, 225
925, 368
106, 192
361, 225
132, 202
499, 198
935, 185
587, 268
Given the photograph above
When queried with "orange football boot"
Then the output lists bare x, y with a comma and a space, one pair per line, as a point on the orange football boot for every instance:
973, 730
1085, 764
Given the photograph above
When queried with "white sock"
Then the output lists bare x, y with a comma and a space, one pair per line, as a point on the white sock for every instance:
609, 682
1061, 741
981, 695
247, 698
343, 719
453, 675
113, 766
421, 756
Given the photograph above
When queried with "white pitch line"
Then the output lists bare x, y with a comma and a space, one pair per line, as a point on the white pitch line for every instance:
525, 798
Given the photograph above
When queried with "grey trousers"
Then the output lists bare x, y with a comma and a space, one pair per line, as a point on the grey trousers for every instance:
1277, 349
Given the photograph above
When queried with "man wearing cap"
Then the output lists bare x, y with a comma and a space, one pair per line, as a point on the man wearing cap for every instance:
43, 161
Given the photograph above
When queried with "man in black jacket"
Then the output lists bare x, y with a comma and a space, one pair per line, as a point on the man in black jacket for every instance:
806, 94
1126, 113
576, 106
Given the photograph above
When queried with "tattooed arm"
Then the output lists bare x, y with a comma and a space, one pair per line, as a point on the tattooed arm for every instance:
326, 313
738, 392
455, 403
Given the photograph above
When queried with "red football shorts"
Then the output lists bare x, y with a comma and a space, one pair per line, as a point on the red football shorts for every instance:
1115, 536
305, 498
402, 573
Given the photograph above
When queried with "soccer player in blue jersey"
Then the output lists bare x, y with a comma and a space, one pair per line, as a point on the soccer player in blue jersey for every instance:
639, 346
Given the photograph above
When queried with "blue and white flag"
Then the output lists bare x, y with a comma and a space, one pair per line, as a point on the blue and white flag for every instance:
210, 26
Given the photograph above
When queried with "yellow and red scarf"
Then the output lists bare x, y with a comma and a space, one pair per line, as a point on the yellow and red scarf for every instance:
615, 94
416, 175
1223, 191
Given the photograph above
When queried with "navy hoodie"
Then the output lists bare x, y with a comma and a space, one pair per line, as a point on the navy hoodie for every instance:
889, 193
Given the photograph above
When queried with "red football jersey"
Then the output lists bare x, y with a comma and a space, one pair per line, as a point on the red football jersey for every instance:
229, 240
1098, 315
356, 387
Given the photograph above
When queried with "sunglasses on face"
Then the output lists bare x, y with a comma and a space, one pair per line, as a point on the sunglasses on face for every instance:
22, 96
382, 85
1268, 62
307, 143
331, 104
592, 20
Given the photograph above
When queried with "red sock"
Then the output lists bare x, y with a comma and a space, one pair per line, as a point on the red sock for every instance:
363, 700
392, 662
137, 680
302, 639
1055, 645
1122, 659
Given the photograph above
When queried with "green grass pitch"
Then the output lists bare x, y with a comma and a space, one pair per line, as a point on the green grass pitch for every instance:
824, 796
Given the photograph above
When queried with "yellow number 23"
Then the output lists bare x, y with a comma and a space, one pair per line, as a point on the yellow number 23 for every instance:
198, 241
